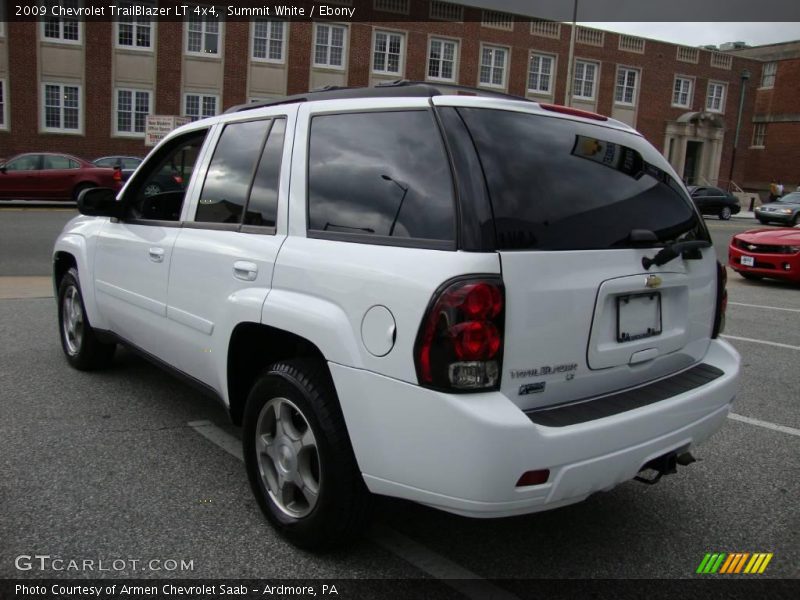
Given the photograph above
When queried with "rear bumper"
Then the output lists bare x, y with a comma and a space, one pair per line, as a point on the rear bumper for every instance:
465, 453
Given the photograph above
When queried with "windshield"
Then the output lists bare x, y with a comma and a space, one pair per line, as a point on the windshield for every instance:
793, 198
559, 184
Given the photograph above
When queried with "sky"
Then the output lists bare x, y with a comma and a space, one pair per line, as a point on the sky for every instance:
701, 34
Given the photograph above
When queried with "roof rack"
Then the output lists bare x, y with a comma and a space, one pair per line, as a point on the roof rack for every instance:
388, 89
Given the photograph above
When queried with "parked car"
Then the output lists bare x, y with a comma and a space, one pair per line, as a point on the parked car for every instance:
168, 179
784, 210
773, 253
714, 201
50, 176
408, 291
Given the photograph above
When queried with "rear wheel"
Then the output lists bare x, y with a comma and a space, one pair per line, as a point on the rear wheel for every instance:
78, 339
725, 213
299, 459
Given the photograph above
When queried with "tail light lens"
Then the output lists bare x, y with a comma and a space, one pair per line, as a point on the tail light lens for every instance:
178, 179
722, 300
459, 346
117, 174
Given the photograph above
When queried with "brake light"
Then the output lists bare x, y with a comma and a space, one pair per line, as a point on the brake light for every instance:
459, 346
117, 174
575, 112
178, 179
722, 300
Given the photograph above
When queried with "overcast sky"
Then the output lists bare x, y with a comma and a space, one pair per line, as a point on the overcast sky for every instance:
701, 34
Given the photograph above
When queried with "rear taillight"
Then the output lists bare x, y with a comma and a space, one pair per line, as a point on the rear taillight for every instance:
178, 179
117, 175
459, 346
722, 300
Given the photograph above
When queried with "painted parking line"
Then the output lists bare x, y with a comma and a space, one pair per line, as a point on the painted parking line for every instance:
797, 310
765, 342
437, 566
765, 424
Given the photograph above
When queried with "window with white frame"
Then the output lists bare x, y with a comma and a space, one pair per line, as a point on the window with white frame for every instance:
387, 52
585, 79
268, 40
199, 106
3, 104
132, 109
715, 100
202, 35
134, 32
493, 66
442, 57
625, 90
62, 29
682, 92
329, 45
759, 135
62, 108
768, 73
540, 74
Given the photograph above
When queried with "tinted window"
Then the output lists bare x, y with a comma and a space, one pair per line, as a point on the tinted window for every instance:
381, 174
59, 162
230, 172
557, 184
106, 162
29, 162
131, 163
262, 208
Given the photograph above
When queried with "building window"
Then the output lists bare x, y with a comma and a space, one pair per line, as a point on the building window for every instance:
199, 106
540, 74
62, 108
268, 40
585, 79
3, 106
715, 101
493, 66
203, 35
768, 74
759, 135
444, 11
62, 29
625, 90
387, 53
392, 6
133, 106
134, 32
497, 20
682, 92
329, 46
442, 58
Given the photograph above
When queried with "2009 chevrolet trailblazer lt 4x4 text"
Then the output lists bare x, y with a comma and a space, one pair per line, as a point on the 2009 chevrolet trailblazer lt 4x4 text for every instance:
485, 305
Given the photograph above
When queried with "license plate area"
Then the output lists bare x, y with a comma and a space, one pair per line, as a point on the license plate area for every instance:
748, 261
638, 316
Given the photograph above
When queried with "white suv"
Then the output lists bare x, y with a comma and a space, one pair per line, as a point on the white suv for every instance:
485, 305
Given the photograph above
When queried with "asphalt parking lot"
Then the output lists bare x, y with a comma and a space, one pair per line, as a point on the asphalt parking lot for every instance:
132, 464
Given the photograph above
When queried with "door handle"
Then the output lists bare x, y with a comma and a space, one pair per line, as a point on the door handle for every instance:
156, 254
246, 271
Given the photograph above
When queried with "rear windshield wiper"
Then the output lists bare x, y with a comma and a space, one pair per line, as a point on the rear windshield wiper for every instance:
687, 249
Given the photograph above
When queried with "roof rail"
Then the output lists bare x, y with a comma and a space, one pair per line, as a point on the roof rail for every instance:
388, 89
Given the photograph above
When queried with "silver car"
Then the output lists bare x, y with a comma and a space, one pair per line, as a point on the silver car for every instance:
785, 210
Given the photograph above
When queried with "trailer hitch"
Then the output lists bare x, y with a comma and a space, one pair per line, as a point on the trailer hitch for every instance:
666, 464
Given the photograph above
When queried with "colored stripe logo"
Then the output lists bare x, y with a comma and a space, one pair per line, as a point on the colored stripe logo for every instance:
734, 563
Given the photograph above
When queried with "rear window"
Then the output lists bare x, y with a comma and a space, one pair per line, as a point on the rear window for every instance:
557, 184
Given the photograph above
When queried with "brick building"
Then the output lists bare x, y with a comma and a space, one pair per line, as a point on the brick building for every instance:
86, 87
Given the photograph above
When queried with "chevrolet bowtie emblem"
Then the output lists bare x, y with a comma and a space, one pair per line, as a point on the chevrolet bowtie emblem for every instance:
653, 281
751, 247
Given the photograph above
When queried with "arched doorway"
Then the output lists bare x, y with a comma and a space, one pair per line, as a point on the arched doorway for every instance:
693, 146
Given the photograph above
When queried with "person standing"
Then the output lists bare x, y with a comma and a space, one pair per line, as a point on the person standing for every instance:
780, 190
773, 191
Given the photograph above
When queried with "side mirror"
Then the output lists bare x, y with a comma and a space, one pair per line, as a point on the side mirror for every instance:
99, 202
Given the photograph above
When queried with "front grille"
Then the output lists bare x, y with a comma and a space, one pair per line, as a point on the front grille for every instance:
762, 248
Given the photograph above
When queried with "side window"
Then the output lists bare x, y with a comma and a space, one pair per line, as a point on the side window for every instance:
262, 209
104, 162
230, 173
30, 162
158, 190
130, 163
52, 161
380, 174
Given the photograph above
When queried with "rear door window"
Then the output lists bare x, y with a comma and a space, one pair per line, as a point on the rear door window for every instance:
559, 184
380, 177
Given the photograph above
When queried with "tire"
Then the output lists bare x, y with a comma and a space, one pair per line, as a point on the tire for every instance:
763, 221
151, 189
795, 220
79, 188
78, 340
725, 213
299, 459
750, 276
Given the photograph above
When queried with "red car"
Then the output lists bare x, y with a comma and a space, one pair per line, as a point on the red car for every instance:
773, 252
49, 176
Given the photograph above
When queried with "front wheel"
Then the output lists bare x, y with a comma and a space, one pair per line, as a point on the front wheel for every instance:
299, 459
725, 213
78, 339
